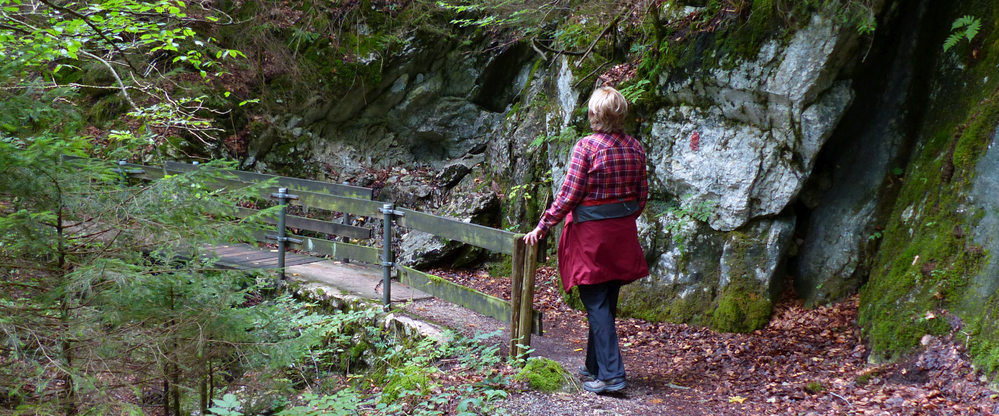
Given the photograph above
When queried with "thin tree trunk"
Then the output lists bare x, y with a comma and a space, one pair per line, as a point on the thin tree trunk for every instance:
174, 368
211, 379
166, 389
67, 344
203, 387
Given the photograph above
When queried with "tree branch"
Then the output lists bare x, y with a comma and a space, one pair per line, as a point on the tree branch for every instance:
96, 30
124, 89
611, 25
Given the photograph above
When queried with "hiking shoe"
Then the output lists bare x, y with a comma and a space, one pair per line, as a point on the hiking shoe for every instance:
586, 374
602, 386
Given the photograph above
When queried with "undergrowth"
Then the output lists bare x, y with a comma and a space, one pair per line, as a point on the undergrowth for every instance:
362, 369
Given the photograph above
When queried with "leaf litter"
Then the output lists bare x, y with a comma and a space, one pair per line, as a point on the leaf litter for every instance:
804, 362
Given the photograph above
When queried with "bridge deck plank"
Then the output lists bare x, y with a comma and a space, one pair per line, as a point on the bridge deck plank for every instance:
353, 278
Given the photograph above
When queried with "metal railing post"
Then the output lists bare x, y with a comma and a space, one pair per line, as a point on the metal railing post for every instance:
283, 201
387, 260
282, 196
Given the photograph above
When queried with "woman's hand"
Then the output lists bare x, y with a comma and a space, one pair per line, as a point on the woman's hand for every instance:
532, 237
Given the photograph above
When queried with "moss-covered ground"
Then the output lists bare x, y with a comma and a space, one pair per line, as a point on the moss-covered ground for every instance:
545, 375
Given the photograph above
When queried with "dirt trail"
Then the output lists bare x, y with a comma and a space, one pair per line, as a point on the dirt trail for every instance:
805, 362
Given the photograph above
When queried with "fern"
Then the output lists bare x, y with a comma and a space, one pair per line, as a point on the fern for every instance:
966, 27
636, 91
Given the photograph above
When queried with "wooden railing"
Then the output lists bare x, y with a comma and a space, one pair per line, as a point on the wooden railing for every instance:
353, 200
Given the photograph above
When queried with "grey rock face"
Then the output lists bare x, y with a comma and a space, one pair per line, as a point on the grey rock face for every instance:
435, 104
420, 249
761, 126
840, 236
984, 196
759, 254
696, 264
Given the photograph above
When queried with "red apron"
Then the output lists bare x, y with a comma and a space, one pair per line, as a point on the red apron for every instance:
600, 251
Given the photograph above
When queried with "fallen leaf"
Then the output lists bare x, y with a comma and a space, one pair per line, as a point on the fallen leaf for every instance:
736, 399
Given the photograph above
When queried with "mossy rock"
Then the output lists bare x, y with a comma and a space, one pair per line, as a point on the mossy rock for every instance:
741, 310
571, 297
547, 376
926, 262
407, 380
659, 304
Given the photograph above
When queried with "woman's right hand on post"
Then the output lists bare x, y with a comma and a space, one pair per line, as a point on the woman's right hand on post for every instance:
532, 237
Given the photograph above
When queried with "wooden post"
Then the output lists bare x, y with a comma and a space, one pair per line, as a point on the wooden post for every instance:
527, 295
516, 283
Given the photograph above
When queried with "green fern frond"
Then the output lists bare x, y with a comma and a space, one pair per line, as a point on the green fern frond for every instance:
951, 41
971, 26
973, 29
963, 21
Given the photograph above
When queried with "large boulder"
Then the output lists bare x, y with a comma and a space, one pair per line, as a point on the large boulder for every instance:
760, 126
740, 144
726, 280
859, 173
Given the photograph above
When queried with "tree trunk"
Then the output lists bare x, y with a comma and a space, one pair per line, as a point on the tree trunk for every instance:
172, 360
67, 344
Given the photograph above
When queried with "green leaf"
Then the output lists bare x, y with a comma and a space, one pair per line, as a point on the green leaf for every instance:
951, 41
972, 25
973, 29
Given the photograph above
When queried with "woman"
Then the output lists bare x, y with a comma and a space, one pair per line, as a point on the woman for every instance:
604, 191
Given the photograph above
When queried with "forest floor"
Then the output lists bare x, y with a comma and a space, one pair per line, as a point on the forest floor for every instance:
805, 362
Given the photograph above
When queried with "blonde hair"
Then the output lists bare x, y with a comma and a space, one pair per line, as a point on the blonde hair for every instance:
607, 108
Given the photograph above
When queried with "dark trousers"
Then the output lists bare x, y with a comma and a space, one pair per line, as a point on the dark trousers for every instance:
603, 355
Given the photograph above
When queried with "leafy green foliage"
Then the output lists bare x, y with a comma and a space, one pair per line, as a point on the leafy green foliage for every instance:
51, 51
410, 378
92, 275
523, 18
567, 135
965, 27
226, 406
684, 214
635, 92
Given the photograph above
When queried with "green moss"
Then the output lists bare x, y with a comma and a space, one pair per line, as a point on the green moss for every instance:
983, 347
926, 260
107, 109
404, 381
740, 309
814, 387
645, 303
544, 375
571, 297
501, 267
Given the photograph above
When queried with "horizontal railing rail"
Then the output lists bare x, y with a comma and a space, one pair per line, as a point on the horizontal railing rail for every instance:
519, 312
295, 184
453, 229
310, 224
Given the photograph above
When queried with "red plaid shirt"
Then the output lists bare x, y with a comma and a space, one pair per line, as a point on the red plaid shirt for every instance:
603, 166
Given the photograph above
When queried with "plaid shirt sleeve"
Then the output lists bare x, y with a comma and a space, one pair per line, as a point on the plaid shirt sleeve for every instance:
643, 183
572, 191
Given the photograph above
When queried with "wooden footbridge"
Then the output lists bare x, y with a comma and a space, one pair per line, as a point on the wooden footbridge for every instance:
355, 268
